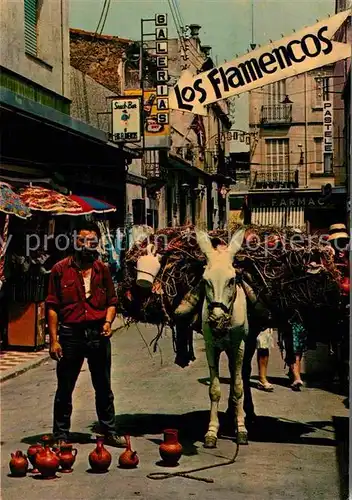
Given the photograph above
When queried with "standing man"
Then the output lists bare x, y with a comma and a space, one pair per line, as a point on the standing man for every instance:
81, 308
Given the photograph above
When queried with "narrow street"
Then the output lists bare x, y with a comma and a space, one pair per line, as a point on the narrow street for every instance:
292, 455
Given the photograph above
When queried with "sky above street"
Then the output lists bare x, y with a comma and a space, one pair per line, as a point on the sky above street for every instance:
226, 25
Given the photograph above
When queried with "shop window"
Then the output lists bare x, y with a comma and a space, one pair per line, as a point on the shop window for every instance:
31, 26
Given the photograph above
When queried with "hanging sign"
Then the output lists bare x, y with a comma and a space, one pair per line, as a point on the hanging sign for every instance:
303, 51
126, 119
327, 128
162, 74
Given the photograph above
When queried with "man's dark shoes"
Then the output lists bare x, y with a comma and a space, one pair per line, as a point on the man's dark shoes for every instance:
115, 440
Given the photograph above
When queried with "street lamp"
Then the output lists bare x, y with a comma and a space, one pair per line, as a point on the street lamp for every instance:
287, 100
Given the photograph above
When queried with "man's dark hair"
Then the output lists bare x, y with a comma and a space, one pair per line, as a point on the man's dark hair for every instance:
87, 226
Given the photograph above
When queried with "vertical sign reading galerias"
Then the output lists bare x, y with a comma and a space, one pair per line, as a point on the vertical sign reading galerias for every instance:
162, 75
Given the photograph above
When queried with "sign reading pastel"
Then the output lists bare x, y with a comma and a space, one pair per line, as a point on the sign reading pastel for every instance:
298, 53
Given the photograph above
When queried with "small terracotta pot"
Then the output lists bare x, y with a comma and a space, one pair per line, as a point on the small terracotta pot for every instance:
170, 450
345, 285
47, 462
32, 453
67, 457
100, 458
128, 459
18, 464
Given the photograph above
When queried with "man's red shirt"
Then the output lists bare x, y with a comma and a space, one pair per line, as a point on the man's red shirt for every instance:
67, 296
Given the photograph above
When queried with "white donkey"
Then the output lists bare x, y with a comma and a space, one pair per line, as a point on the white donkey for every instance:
225, 327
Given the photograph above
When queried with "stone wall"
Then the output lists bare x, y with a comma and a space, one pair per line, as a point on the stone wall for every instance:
98, 56
89, 98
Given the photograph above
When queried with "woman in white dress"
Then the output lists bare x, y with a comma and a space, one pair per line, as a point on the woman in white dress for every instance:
264, 344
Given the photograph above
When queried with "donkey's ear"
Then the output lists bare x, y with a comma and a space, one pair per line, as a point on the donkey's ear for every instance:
204, 243
236, 242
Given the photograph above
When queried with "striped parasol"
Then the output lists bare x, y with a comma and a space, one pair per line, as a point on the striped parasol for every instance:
48, 200
91, 205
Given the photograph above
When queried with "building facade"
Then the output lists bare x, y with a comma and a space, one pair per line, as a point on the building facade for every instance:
43, 135
342, 107
180, 174
293, 179
195, 189
34, 50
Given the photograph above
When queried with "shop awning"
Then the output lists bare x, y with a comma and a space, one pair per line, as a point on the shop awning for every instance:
91, 205
48, 200
11, 203
278, 216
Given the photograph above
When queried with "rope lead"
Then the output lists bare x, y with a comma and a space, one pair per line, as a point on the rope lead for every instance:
187, 473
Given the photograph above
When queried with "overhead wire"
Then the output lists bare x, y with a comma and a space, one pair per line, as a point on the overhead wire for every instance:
98, 31
174, 17
181, 24
263, 92
186, 46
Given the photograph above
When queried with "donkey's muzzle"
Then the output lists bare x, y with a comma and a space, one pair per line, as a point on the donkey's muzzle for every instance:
218, 305
219, 323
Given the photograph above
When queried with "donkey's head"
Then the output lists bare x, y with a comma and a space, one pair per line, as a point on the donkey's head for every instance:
220, 277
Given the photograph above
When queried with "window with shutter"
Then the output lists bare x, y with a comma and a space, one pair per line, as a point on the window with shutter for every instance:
30, 26
277, 156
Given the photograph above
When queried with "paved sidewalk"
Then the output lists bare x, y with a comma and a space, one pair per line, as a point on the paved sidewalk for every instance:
13, 363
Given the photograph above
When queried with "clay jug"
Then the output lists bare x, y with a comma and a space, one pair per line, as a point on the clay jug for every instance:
128, 459
46, 439
47, 462
345, 285
18, 464
148, 267
32, 454
67, 457
100, 458
170, 450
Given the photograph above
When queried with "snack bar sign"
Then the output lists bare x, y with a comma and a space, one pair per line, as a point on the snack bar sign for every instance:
162, 75
126, 119
298, 53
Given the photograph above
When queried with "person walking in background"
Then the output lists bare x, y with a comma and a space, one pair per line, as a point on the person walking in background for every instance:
264, 344
81, 307
295, 342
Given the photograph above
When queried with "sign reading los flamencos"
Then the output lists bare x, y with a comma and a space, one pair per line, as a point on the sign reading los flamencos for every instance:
310, 48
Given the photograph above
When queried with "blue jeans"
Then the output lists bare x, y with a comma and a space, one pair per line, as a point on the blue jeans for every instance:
79, 342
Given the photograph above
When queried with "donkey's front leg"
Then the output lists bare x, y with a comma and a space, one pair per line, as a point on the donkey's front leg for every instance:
213, 356
235, 356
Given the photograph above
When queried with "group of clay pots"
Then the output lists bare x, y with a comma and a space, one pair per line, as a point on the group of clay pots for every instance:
48, 461
44, 460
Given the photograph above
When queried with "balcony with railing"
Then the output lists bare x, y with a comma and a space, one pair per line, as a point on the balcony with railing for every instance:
211, 162
278, 114
283, 179
153, 169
